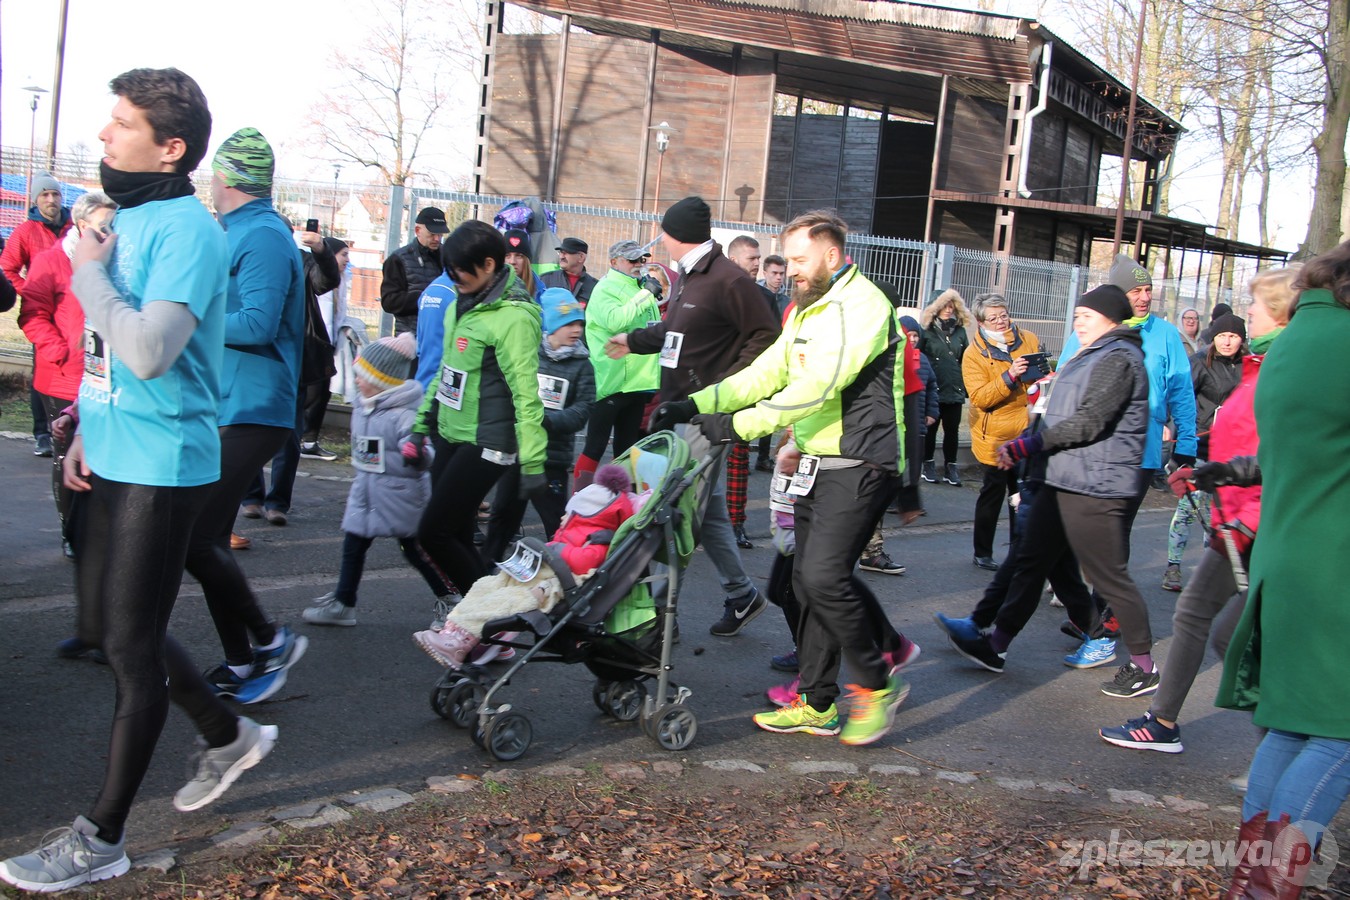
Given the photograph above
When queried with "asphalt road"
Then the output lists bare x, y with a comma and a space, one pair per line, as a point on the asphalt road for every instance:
354, 715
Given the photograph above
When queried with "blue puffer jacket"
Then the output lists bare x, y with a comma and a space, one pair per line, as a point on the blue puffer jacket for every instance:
1170, 392
264, 319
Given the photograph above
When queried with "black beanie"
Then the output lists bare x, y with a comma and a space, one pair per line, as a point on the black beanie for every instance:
1228, 323
1108, 300
1220, 309
689, 221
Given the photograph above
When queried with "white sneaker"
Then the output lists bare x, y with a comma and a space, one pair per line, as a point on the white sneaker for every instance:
329, 610
73, 857
219, 767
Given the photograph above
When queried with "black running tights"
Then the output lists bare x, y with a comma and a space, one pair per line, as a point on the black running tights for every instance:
133, 543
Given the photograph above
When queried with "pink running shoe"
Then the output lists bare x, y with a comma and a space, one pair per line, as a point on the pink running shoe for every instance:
784, 694
898, 659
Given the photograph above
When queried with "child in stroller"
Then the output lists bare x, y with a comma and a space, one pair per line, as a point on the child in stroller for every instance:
593, 515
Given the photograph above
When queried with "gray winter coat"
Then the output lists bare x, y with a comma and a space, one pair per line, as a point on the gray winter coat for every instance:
388, 495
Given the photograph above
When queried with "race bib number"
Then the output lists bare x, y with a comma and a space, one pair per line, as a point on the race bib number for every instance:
368, 454
97, 365
523, 564
805, 476
451, 391
552, 391
498, 457
670, 351
779, 498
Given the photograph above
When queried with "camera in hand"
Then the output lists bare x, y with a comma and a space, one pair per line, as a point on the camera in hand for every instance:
1038, 366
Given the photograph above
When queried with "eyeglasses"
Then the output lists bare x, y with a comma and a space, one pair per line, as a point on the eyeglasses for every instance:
998, 317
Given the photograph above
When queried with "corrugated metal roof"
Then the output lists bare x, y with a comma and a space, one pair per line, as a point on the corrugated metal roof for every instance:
939, 18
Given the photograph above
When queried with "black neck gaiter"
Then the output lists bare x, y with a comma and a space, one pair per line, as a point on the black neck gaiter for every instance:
128, 189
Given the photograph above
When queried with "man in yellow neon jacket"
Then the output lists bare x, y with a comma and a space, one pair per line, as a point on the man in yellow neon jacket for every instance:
834, 376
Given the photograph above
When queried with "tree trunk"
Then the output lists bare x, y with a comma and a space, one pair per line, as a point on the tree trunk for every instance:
1324, 223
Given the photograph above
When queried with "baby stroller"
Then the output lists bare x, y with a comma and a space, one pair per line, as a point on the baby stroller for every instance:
619, 622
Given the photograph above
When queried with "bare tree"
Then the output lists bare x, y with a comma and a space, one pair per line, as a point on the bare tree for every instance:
395, 83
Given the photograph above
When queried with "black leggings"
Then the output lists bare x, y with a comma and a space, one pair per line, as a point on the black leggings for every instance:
620, 413
508, 510
133, 543
460, 479
949, 418
234, 608
62, 495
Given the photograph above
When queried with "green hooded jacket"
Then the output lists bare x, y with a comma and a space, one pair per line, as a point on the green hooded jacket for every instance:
618, 305
486, 392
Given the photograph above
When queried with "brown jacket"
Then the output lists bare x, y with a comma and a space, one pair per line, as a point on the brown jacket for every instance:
720, 320
998, 410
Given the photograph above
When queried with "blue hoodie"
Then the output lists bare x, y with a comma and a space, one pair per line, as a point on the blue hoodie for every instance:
431, 306
264, 319
1170, 392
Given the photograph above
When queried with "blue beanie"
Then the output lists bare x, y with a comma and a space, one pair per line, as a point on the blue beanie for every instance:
560, 307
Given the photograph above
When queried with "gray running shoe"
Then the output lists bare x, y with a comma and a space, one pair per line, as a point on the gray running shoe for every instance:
328, 610
74, 856
218, 768
442, 608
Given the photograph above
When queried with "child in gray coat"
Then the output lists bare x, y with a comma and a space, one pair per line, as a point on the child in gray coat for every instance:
390, 491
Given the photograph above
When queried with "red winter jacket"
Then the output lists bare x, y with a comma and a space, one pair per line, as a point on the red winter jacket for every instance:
571, 536
1234, 434
26, 242
53, 320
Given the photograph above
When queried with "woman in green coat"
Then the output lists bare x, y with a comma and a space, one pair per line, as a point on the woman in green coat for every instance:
1287, 661
944, 341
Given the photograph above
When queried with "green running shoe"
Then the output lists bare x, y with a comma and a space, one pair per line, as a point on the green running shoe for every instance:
800, 716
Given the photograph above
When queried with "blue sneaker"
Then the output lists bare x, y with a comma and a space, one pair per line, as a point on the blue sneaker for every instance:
260, 685
1144, 733
963, 629
1092, 653
284, 655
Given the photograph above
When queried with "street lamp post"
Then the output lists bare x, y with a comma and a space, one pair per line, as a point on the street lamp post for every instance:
332, 222
663, 133
32, 134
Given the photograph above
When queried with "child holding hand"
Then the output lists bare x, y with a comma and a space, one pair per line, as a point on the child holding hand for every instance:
391, 487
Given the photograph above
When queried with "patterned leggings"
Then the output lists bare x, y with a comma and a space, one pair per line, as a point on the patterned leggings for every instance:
738, 479
1188, 511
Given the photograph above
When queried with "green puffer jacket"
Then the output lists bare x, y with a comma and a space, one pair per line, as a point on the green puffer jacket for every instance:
618, 305
834, 375
487, 390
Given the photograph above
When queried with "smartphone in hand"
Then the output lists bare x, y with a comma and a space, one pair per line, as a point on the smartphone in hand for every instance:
312, 225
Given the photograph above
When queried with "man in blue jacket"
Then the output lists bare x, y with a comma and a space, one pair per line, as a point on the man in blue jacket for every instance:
264, 331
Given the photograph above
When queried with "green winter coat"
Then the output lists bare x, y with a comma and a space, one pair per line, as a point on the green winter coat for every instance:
618, 305
1288, 660
490, 371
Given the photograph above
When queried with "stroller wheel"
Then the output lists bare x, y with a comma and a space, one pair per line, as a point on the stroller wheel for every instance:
674, 727
624, 699
508, 736
598, 694
462, 702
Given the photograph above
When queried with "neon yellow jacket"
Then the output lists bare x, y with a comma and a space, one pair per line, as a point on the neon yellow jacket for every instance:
835, 374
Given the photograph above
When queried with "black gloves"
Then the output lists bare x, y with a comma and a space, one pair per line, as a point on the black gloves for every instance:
672, 413
531, 485
1240, 471
717, 428
1182, 460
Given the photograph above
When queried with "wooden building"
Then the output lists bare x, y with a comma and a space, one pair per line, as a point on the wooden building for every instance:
967, 128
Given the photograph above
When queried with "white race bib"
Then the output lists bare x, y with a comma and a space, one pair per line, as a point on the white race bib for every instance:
805, 476
97, 365
498, 457
779, 499
670, 351
451, 391
368, 453
552, 390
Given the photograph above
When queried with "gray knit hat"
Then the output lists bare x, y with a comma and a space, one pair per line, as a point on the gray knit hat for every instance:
43, 181
1127, 274
388, 362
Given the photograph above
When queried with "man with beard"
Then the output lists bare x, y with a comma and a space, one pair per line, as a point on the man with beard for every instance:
832, 376
715, 324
